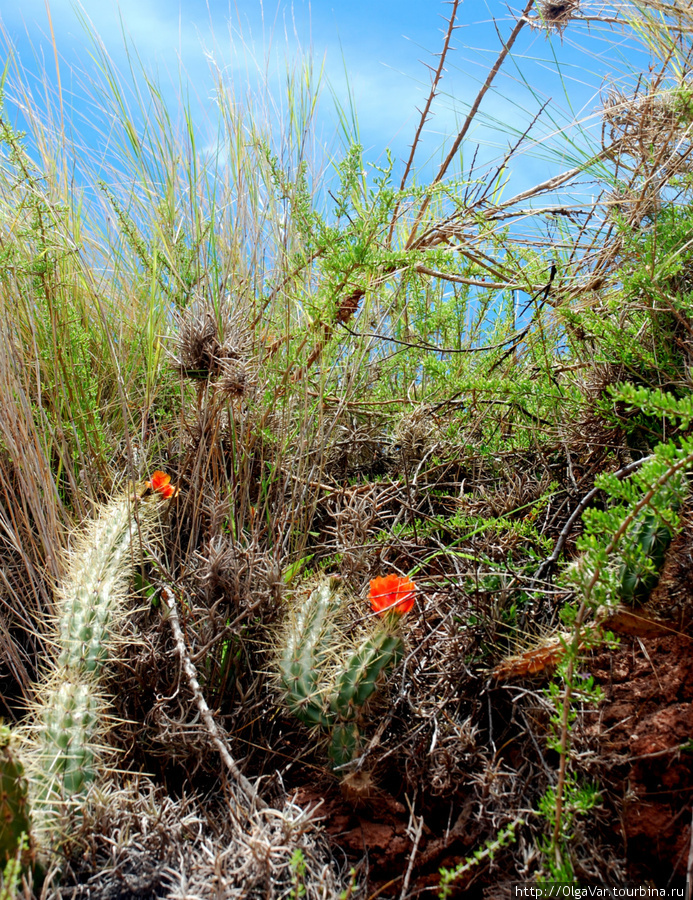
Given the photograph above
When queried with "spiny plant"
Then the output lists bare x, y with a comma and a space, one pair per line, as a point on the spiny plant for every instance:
327, 682
69, 716
14, 804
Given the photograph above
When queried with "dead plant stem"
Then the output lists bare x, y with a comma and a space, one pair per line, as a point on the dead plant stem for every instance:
521, 22
426, 110
412, 856
215, 733
550, 561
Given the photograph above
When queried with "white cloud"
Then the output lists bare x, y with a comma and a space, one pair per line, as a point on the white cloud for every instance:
186, 44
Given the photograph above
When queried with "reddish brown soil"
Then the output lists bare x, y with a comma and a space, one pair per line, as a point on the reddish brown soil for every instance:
646, 720
377, 827
642, 725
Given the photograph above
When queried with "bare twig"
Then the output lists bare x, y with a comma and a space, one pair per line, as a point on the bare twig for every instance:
547, 564
424, 345
214, 730
412, 856
475, 282
551, 184
522, 20
426, 110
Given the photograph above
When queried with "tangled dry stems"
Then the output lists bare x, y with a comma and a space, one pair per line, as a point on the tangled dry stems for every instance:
557, 14
138, 841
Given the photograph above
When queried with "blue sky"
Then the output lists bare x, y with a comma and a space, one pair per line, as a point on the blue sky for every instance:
374, 50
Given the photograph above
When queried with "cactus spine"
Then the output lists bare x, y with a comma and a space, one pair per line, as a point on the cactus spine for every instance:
65, 734
325, 681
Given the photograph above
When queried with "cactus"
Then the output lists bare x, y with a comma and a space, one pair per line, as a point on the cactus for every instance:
357, 681
65, 733
306, 650
345, 744
69, 719
14, 804
69, 726
326, 683
92, 593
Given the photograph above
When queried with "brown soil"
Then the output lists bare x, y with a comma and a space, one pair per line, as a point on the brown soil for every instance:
379, 830
645, 720
645, 725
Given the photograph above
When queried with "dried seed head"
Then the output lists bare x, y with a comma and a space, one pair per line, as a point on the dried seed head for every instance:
235, 380
415, 435
592, 432
357, 448
207, 342
536, 661
651, 125
556, 14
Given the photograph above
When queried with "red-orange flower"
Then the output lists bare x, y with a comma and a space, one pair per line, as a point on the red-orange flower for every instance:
392, 593
161, 482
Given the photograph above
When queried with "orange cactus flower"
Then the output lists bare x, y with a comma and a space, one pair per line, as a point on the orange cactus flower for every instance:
392, 593
161, 482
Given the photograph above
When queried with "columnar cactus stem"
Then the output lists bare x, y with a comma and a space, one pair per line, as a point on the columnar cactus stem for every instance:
306, 650
358, 679
69, 715
96, 583
326, 681
651, 538
345, 744
68, 728
70, 708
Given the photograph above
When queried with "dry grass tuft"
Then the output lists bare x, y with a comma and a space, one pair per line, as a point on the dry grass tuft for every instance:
137, 841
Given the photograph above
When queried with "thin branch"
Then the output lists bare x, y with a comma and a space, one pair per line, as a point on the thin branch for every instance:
214, 730
550, 561
475, 282
424, 345
551, 183
490, 181
426, 110
414, 850
434, 86
521, 22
